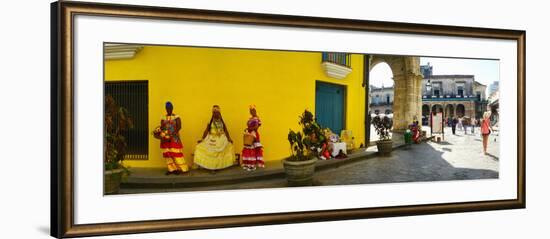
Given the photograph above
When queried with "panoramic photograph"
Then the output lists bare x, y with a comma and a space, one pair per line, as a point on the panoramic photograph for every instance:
188, 118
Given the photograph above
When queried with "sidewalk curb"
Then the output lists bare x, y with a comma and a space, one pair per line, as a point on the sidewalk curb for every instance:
168, 182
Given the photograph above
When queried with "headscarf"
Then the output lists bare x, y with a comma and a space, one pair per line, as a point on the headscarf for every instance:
214, 109
169, 104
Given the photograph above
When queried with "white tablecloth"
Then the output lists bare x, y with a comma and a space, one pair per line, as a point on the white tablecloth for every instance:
336, 147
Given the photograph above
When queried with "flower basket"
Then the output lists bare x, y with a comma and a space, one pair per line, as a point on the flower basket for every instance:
248, 139
156, 133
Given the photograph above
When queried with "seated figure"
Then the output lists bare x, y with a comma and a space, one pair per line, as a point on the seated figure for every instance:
215, 149
416, 135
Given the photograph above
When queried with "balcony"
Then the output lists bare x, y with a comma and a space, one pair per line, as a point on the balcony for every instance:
382, 103
451, 97
336, 65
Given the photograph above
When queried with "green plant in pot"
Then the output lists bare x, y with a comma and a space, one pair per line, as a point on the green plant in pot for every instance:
117, 123
305, 147
382, 125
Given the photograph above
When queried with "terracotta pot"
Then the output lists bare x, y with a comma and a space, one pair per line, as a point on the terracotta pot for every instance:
299, 173
384, 147
112, 179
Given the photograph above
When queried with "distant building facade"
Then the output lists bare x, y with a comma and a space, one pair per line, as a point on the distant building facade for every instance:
381, 100
493, 102
493, 87
454, 95
426, 70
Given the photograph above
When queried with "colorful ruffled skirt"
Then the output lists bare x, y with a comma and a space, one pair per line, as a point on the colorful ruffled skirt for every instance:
253, 155
215, 152
172, 153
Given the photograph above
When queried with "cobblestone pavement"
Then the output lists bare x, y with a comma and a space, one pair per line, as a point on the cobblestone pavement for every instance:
458, 157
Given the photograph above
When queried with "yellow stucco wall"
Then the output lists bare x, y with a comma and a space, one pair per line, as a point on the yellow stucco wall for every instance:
280, 83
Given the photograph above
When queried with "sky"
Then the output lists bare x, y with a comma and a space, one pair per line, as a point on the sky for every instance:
484, 71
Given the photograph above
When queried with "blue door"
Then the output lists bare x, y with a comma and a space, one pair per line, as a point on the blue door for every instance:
329, 106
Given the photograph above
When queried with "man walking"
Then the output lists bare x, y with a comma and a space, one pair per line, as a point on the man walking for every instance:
454, 121
465, 124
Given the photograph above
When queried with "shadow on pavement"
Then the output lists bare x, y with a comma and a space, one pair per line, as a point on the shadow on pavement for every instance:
492, 156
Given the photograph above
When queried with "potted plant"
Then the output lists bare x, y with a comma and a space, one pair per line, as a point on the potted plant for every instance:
117, 123
305, 147
382, 127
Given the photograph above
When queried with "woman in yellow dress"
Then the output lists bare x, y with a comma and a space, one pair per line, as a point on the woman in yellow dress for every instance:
215, 150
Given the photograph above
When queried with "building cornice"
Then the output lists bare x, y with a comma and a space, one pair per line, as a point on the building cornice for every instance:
335, 71
121, 51
448, 76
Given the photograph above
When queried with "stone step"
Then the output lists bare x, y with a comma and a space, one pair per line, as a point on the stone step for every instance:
155, 178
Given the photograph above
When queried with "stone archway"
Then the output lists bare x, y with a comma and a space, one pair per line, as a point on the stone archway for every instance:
449, 110
437, 108
460, 110
425, 114
407, 103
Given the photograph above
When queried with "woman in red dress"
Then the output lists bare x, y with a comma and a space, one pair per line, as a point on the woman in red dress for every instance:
486, 130
253, 150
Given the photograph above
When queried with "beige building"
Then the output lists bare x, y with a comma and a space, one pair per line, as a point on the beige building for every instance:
454, 95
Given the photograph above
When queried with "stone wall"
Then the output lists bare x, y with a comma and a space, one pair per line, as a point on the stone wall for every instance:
449, 84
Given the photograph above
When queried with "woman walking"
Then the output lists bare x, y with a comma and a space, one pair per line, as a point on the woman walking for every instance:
486, 130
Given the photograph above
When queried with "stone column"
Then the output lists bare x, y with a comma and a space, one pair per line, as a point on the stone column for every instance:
399, 103
407, 95
414, 77
418, 97
411, 99
455, 111
471, 109
407, 102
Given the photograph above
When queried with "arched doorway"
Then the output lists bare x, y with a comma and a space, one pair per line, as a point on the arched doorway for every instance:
425, 114
381, 91
449, 111
437, 108
460, 110
407, 82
